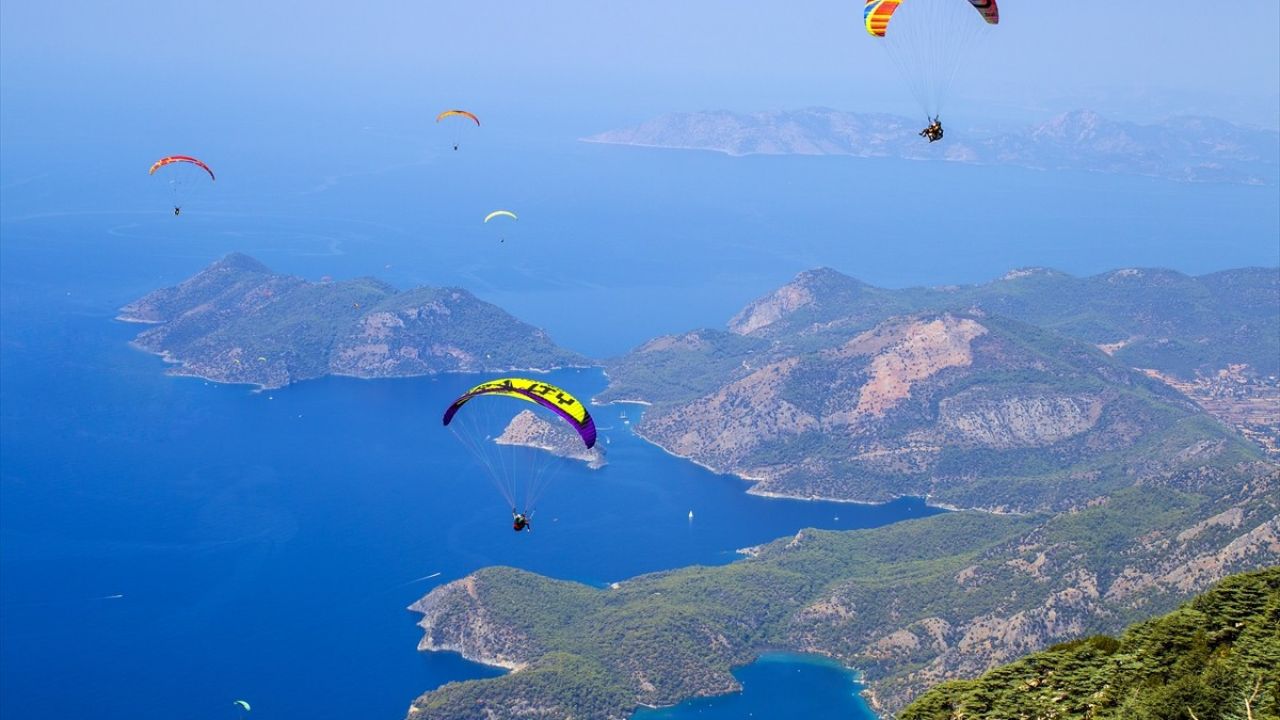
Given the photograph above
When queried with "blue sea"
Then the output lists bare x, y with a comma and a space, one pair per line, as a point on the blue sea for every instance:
168, 545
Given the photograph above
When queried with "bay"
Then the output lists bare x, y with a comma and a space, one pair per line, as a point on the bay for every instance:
168, 545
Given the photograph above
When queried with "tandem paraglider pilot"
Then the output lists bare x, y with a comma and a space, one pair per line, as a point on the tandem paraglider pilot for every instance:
932, 133
519, 471
519, 522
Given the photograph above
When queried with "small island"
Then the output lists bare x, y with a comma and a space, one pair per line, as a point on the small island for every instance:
237, 321
527, 429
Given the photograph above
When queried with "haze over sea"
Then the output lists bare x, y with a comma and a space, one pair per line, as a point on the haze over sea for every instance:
169, 544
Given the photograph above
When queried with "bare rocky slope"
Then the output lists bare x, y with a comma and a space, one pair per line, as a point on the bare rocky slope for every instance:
530, 430
828, 387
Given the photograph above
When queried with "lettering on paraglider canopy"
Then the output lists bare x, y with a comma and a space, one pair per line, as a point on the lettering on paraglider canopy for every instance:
545, 390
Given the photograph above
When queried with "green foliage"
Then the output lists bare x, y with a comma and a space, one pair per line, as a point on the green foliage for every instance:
237, 321
1207, 658
567, 686
664, 637
669, 369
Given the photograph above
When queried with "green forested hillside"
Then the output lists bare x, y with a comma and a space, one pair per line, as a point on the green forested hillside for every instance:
237, 321
908, 604
1215, 658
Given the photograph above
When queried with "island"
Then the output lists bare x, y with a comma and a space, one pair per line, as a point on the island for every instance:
1181, 149
236, 321
527, 429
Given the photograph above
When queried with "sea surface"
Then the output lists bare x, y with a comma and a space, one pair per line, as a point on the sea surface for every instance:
778, 685
168, 545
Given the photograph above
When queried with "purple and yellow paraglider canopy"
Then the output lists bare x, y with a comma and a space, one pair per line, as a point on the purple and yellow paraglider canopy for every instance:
548, 396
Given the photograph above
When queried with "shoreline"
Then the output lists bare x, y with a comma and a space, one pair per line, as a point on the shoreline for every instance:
782, 496
514, 667
137, 321
625, 401
184, 369
592, 463
815, 498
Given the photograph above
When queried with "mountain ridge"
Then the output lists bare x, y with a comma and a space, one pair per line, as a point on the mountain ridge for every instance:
1184, 149
985, 393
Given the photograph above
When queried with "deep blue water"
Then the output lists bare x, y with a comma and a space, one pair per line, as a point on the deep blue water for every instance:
265, 545
170, 544
778, 685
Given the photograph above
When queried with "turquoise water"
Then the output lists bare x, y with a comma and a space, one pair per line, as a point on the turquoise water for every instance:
778, 685
168, 545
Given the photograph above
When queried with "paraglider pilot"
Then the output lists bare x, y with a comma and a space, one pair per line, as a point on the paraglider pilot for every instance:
519, 521
932, 133
177, 210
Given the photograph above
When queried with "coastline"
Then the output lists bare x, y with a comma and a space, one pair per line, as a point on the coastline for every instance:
782, 655
592, 463
607, 403
426, 646
184, 369
818, 498
717, 151
783, 496
137, 321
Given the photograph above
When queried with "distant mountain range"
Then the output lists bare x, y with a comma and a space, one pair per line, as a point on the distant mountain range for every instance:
1186, 149
237, 321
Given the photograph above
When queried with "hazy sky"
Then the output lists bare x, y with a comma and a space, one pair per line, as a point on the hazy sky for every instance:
631, 59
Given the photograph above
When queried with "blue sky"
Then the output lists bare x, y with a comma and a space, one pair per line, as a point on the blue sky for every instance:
627, 59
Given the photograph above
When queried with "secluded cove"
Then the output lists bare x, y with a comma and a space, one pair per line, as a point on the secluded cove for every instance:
779, 685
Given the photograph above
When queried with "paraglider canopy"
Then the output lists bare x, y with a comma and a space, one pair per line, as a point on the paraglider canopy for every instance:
489, 422
550, 397
501, 213
180, 159
878, 13
244, 705
929, 40
458, 113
